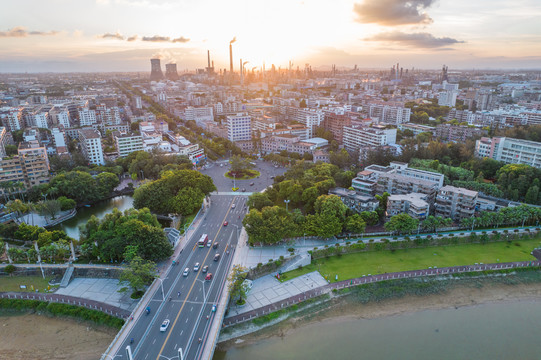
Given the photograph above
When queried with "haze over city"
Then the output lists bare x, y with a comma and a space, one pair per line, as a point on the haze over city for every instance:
121, 35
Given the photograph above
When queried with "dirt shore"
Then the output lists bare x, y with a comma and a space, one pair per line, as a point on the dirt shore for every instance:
347, 308
30, 336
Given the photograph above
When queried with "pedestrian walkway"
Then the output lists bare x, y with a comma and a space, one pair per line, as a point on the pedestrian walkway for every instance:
317, 291
268, 290
101, 290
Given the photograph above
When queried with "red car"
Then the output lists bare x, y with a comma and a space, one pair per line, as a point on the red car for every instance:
225, 223
209, 276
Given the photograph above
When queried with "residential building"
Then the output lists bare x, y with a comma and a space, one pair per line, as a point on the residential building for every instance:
239, 127
40, 119
355, 201
455, 203
321, 156
126, 143
458, 133
357, 136
389, 113
365, 182
35, 163
413, 204
416, 128
59, 141
509, 150
91, 146
403, 169
3, 139
335, 123
60, 116
198, 114
447, 98
13, 119
400, 184
87, 117
310, 118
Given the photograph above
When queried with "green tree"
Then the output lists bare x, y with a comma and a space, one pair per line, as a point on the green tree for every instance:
370, 217
401, 223
49, 207
355, 224
268, 226
259, 201
138, 274
532, 195
237, 288
10, 269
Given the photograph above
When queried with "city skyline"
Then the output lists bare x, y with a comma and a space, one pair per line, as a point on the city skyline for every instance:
53, 36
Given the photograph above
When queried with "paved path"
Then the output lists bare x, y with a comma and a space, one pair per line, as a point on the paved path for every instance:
371, 279
268, 290
66, 299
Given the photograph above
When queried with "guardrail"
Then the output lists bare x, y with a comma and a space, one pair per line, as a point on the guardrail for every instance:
237, 319
70, 300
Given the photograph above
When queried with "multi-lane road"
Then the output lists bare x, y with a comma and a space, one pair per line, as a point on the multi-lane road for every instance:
190, 314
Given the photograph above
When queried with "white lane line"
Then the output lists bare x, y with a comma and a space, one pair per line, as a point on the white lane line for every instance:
181, 332
191, 308
186, 320
146, 356
154, 342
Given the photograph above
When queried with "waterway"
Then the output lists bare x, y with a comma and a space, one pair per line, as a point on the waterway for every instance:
508, 330
71, 226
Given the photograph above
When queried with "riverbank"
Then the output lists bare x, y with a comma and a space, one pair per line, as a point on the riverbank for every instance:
31, 336
466, 292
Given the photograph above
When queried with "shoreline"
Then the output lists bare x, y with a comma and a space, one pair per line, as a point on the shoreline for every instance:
346, 308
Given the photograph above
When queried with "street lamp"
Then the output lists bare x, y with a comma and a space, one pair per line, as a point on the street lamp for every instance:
161, 283
287, 202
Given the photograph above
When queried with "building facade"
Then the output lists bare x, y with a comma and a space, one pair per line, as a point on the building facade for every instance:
91, 146
413, 204
239, 127
509, 150
455, 203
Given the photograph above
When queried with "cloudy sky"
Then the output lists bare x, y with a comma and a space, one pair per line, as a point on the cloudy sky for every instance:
122, 35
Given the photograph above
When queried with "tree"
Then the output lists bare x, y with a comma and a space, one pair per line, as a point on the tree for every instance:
66, 204
49, 207
401, 223
268, 226
355, 224
10, 269
259, 201
237, 288
239, 164
370, 217
138, 274
532, 195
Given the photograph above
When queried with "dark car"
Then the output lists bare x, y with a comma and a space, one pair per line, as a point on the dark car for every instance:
243, 189
216, 257
251, 184
215, 246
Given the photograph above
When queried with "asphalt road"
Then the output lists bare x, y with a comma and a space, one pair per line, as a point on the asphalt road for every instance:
188, 312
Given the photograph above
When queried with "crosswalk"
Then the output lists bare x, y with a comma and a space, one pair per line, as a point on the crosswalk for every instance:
233, 193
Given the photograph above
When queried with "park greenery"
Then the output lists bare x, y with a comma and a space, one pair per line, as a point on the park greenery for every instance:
311, 210
149, 165
175, 192
109, 238
237, 286
138, 274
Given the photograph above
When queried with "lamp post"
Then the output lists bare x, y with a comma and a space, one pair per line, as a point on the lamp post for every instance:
287, 202
161, 283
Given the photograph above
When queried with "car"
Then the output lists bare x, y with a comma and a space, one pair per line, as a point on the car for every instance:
165, 325
233, 206
272, 177
243, 190
186, 272
215, 246
216, 257
225, 223
205, 269
251, 184
209, 276
221, 165
209, 243
196, 267
213, 308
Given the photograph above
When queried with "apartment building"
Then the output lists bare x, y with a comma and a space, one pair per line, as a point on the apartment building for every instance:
335, 123
108, 116
455, 203
416, 128
365, 182
87, 117
126, 143
413, 204
403, 169
91, 146
509, 150
40, 119
3, 140
13, 119
59, 143
357, 136
400, 184
458, 133
355, 201
310, 118
389, 113
60, 116
198, 114
35, 163
239, 127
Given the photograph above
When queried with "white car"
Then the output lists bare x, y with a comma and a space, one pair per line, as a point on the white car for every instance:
196, 267
233, 206
165, 325
186, 272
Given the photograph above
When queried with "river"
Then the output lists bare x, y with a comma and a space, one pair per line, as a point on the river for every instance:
508, 330
71, 226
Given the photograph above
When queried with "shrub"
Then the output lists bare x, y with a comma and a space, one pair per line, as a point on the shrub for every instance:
281, 257
137, 294
10, 269
291, 249
259, 265
270, 260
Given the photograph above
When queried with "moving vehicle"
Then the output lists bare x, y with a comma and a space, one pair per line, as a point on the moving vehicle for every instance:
165, 325
233, 206
216, 257
213, 308
225, 223
196, 267
209, 276
203, 240
205, 269
186, 272
215, 246
209, 244
148, 310
243, 190
251, 184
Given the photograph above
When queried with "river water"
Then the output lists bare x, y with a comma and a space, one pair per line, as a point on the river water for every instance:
490, 331
71, 226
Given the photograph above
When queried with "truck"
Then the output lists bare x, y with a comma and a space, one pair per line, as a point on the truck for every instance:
203, 240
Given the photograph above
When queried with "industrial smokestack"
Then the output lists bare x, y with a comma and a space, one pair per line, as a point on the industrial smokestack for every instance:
231, 55
156, 73
208, 58
241, 75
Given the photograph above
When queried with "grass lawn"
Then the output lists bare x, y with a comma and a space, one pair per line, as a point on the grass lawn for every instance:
379, 262
248, 174
13, 283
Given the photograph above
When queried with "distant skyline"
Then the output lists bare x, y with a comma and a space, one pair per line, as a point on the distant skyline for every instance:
122, 35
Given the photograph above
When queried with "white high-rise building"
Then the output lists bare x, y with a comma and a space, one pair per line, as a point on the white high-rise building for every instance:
447, 98
87, 117
41, 119
128, 143
14, 119
60, 117
239, 127
308, 117
138, 102
509, 150
90, 141
356, 136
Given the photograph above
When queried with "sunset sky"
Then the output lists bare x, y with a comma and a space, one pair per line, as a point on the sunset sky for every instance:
122, 35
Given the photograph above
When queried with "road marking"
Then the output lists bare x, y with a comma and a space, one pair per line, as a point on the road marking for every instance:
186, 320
181, 332
189, 292
146, 356
191, 309
154, 342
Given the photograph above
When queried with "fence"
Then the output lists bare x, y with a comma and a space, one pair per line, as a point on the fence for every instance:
371, 279
70, 300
